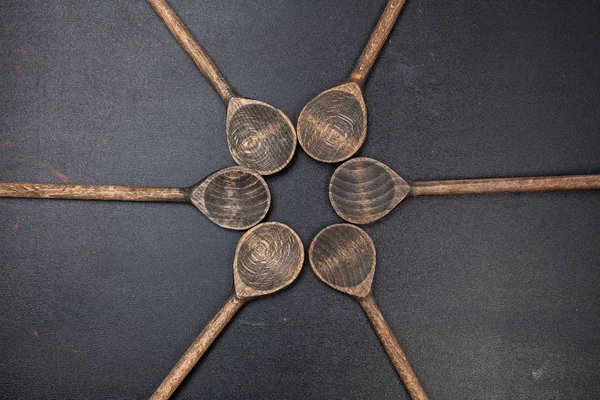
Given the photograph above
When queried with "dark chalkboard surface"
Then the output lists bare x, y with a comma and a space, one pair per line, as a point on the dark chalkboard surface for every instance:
491, 297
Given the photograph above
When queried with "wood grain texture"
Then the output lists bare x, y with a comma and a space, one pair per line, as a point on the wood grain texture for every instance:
343, 256
364, 190
92, 192
260, 136
333, 125
378, 38
191, 46
234, 198
505, 185
197, 349
268, 258
393, 348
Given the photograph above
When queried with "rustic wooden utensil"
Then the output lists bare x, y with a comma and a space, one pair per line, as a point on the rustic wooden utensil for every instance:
333, 125
267, 259
233, 198
260, 136
343, 256
363, 190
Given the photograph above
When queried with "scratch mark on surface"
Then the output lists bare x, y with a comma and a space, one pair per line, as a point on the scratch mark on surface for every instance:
7, 144
40, 164
72, 350
20, 51
36, 334
60, 176
250, 323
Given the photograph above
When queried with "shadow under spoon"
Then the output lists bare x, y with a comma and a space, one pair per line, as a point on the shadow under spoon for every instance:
364, 190
333, 125
259, 136
268, 258
343, 256
233, 198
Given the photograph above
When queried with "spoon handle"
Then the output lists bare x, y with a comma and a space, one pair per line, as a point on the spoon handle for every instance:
92, 192
392, 347
197, 349
378, 38
191, 46
499, 185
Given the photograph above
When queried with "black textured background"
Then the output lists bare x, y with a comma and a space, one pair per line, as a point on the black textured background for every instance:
492, 297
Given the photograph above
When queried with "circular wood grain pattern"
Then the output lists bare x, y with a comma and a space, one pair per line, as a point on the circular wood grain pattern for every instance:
268, 258
363, 190
333, 126
343, 256
260, 137
233, 198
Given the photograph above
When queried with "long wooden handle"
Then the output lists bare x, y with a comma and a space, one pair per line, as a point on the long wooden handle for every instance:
392, 347
378, 38
499, 185
92, 192
197, 349
191, 46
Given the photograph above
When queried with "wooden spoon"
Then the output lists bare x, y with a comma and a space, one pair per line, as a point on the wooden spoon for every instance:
363, 190
268, 258
260, 136
343, 256
333, 125
233, 198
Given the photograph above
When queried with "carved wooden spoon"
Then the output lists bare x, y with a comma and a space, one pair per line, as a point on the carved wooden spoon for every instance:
333, 125
260, 136
343, 256
233, 198
267, 259
363, 190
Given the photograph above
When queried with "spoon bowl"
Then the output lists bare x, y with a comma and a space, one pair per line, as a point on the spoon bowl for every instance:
343, 256
333, 125
268, 258
260, 136
233, 198
363, 190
